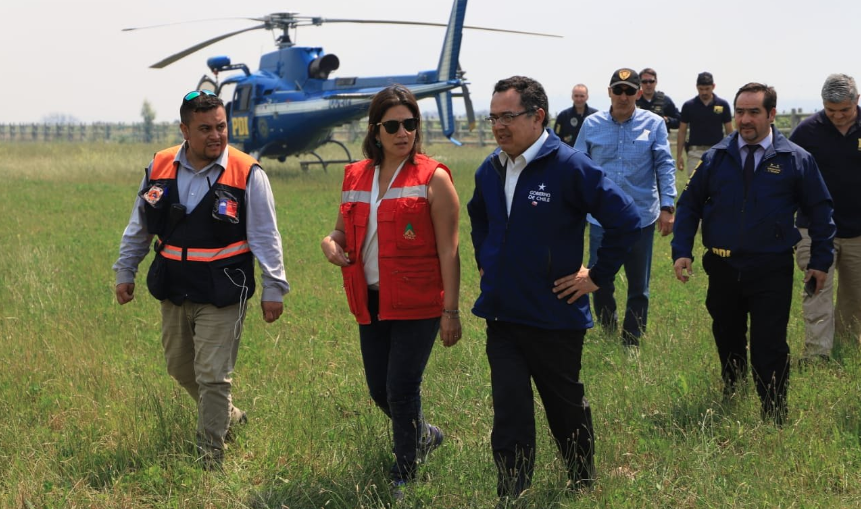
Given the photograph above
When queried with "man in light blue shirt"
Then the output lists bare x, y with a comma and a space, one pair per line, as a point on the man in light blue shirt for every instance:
632, 147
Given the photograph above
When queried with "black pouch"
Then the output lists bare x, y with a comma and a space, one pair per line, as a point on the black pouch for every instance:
156, 277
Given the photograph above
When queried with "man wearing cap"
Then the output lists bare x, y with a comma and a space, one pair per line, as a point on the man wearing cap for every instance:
656, 101
709, 117
213, 212
745, 194
833, 138
569, 121
632, 147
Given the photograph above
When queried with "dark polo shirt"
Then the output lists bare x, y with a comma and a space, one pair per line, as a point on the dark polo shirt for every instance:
705, 122
839, 159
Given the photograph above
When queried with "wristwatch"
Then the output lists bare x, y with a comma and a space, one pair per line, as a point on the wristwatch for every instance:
669, 208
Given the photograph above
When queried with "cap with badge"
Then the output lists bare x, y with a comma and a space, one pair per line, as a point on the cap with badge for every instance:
625, 76
705, 78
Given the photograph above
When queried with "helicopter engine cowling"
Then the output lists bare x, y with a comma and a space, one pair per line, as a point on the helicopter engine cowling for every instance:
320, 67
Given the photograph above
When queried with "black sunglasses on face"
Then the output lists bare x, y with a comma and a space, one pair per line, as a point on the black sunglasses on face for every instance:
392, 126
622, 89
648, 82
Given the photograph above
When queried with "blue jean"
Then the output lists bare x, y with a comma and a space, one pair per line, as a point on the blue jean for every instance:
638, 270
395, 353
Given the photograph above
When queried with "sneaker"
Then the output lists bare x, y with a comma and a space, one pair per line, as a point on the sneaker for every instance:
433, 440
397, 487
237, 418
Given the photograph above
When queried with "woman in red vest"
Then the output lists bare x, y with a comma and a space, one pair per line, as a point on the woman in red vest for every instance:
396, 241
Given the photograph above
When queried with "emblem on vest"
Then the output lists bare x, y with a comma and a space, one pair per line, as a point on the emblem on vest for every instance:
718, 109
409, 233
153, 195
774, 168
574, 122
859, 143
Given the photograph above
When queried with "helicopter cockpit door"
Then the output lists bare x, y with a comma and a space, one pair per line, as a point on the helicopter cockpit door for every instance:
241, 113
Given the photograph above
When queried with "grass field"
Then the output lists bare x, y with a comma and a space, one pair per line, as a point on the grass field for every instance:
91, 419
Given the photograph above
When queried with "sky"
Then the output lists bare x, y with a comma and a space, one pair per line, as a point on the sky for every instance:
72, 59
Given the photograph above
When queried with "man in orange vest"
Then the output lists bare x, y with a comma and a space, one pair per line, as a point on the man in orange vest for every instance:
212, 210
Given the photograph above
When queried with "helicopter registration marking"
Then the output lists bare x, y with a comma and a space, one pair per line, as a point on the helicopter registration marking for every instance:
240, 127
340, 103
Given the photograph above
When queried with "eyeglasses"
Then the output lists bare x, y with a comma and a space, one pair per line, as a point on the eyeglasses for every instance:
506, 118
196, 93
392, 126
622, 89
648, 82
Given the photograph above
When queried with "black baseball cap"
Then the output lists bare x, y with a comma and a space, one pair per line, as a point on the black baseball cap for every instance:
705, 78
625, 76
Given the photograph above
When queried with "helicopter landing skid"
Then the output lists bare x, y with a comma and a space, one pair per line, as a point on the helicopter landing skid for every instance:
324, 163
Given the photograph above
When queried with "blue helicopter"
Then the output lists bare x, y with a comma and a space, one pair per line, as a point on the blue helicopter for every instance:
290, 106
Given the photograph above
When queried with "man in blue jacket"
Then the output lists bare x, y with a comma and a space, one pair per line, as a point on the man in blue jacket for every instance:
528, 216
746, 190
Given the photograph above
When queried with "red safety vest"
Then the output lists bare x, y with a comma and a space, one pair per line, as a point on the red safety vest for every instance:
410, 278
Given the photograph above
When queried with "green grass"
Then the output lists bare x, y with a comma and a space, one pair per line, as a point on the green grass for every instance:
91, 419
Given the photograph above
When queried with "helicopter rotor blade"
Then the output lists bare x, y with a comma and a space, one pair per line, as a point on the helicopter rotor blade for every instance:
320, 21
184, 53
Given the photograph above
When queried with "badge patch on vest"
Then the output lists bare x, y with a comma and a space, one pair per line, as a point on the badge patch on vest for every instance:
774, 168
226, 206
409, 233
718, 109
573, 121
859, 143
154, 194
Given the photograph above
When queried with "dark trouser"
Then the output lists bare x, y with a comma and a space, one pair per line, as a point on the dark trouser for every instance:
638, 270
766, 296
395, 353
552, 359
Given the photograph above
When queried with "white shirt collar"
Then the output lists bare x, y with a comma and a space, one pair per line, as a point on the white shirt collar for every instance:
529, 154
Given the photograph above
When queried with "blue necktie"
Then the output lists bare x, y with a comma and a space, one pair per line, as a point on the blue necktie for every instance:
749, 166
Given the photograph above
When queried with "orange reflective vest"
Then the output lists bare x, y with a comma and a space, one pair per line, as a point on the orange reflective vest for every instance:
410, 279
202, 256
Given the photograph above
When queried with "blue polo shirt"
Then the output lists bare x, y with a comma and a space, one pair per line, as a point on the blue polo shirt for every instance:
839, 159
705, 121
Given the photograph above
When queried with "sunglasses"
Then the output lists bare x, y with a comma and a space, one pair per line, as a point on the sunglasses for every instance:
648, 82
621, 89
196, 93
392, 126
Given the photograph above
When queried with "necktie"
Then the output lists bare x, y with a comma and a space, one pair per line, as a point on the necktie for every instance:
749, 166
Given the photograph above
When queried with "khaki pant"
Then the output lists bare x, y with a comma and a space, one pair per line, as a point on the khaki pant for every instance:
823, 321
200, 345
695, 153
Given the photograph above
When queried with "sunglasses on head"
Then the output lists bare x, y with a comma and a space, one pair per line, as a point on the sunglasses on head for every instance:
196, 93
622, 89
392, 126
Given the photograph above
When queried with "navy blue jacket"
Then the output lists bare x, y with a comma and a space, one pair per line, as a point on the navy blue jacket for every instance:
751, 232
523, 253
